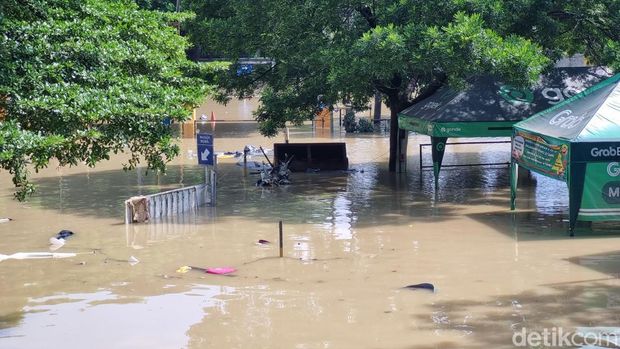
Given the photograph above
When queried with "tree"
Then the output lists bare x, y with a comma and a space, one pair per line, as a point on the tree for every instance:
82, 79
158, 5
345, 50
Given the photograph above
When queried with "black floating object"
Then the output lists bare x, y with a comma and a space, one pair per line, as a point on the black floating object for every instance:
64, 234
422, 286
264, 242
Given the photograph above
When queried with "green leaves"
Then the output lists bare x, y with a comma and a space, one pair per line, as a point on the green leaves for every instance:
380, 51
347, 50
465, 48
86, 78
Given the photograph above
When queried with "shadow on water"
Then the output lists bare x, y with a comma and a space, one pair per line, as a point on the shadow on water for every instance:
535, 225
567, 306
606, 263
102, 193
541, 214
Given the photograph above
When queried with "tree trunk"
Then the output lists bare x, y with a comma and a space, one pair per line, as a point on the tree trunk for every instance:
377, 108
393, 138
395, 133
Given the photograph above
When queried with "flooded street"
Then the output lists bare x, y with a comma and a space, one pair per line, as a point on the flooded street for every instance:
352, 241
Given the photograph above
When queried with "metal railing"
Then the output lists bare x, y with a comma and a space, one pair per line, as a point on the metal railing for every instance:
422, 166
170, 203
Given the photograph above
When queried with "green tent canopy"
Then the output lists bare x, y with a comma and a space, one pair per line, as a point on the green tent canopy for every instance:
576, 141
489, 108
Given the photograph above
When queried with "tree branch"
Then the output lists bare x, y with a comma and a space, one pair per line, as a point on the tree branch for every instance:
368, 15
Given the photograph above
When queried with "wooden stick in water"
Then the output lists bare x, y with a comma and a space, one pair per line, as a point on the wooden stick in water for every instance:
281, 242
266, 157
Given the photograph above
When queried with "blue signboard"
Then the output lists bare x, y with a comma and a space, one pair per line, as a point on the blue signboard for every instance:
205, 148
245, 69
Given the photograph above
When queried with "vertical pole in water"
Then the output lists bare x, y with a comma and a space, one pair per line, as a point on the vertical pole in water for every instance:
207, 183
128, 213
514, 178
281, 242
213, 187
421, 164
214, 181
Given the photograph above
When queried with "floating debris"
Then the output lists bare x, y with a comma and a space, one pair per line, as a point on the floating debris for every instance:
59, 240
55, 243
36, 255
353, 170
217, 270
264, 242
278, 175
255, 165
133, 261
422, 286
64, 234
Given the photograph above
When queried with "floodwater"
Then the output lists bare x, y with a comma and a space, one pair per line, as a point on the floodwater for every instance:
351, 242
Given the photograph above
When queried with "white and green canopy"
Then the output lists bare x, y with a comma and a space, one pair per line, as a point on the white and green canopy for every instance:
576, 141
489, 108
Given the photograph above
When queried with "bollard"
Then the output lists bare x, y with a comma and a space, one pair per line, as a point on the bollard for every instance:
281, 242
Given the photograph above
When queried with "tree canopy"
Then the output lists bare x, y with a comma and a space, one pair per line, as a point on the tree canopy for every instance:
81, 79
405, 49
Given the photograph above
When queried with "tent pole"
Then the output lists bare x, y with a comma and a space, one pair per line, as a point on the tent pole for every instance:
439, 148
576, 178
514, 178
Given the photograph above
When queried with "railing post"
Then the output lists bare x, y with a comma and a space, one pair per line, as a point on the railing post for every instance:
177, 201
128, 213
420, 159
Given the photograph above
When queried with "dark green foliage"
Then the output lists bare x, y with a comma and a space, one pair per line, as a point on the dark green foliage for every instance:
353, 126
349, 123
365, 126
405, 49
82, 79
158, 5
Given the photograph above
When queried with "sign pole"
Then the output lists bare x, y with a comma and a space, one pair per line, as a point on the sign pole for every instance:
207, 158
214, 181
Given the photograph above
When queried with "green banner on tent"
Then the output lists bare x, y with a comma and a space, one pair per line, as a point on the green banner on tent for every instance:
601, 192
457, 129
548, 156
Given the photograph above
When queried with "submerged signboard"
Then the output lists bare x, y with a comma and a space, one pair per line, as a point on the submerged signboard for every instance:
601, 192
545, 155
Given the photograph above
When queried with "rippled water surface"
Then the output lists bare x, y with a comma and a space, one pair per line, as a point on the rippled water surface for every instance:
352, 240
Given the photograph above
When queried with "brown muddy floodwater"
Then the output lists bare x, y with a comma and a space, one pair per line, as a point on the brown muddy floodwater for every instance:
352, 241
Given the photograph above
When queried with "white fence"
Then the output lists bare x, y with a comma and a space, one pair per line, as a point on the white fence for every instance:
170, 203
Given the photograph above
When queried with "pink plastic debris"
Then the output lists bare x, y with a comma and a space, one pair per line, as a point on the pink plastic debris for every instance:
220, 270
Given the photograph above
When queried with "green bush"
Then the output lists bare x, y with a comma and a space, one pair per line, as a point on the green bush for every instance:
349, 122
365, 126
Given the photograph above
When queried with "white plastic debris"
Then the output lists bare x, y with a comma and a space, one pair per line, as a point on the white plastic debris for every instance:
57, 241
133, 261
36, 255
